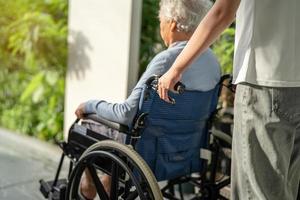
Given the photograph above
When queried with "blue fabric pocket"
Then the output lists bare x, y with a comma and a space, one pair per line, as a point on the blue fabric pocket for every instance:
177, 155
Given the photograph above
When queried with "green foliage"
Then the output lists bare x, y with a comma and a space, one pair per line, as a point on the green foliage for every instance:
224, 49
151, 42
33, 54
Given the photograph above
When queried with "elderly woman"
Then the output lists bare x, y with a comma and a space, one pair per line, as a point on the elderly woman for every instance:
178, 20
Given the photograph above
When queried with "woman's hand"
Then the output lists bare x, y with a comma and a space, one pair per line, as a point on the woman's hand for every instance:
166, 83
80, 111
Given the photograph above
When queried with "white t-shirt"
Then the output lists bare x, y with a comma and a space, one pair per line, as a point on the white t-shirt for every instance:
267, 43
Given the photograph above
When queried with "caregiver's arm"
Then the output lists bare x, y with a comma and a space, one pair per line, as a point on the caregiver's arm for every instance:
214, 23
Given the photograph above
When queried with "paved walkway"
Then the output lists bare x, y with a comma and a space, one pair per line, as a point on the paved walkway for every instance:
23, 162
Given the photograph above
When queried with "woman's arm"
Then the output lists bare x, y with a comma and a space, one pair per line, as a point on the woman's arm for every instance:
215, 22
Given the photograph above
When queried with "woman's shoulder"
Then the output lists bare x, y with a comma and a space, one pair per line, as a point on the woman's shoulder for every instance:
168, 55
163, 55
162, 58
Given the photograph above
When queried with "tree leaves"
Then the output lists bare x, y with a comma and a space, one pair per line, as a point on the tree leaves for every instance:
33, 56
224, 49
32, 86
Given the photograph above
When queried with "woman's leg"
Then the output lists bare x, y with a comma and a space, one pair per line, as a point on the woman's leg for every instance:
87, 186
266, 143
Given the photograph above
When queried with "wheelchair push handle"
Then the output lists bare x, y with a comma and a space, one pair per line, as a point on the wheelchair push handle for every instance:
229, 85
153, 82
179, 87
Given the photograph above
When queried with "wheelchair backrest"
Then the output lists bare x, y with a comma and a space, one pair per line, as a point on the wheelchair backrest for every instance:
174, 133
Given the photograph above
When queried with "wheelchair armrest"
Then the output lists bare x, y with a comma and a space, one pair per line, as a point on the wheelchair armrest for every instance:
114, 125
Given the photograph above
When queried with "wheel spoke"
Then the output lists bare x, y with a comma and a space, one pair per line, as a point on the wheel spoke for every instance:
99, 186
114, 187
123, 161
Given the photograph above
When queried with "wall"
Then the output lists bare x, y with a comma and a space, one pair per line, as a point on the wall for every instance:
103, 51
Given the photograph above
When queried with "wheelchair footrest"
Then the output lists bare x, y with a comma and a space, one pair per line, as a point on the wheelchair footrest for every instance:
53, 192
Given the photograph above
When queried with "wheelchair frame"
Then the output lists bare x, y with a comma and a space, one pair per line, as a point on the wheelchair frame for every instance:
84, 150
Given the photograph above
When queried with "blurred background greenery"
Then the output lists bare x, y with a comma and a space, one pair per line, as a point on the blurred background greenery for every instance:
33, 61
33, 55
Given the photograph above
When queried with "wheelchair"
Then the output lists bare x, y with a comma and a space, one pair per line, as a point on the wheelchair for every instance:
176, 143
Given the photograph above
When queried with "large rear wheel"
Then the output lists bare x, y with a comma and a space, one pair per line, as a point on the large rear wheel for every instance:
131, 177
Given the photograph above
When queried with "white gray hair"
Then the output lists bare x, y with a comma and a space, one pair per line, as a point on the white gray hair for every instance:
187, 13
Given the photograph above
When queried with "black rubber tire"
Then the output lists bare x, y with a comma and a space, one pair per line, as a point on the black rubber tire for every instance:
130, 153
